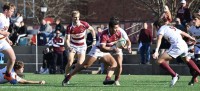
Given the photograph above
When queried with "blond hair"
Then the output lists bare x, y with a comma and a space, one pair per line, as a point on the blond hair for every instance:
8, 6
75, 12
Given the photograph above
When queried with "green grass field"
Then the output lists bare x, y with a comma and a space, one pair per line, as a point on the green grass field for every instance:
82, 82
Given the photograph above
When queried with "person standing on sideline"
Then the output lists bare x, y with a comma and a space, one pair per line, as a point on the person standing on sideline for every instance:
76, 41
145, 37
183, 13
8, 10
60, 27
178, 48
58, 48
195, 32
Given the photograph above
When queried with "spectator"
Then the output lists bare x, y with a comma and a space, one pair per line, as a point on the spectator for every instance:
49, 30
145, 37
60, 27
33, 40
184, 13
17, 20
58, 46
47, 58
42, 26
166, 16
22, 32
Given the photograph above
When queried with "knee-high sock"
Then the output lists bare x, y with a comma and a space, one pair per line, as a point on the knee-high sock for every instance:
193, 66
166, 67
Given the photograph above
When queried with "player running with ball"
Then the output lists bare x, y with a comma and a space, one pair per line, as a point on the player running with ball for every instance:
102, 50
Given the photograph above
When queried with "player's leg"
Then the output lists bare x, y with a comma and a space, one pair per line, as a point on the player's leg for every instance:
10, 64
191, 64
71, 55
112, 64
162, 61
87, 63
118, 71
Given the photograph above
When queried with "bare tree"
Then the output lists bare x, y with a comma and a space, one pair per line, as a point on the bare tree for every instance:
156, 6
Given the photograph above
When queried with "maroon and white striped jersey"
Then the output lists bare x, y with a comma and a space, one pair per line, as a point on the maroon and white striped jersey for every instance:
77, 33
108, 39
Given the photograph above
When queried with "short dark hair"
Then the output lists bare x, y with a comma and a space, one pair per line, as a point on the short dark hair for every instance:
18, 65
159, 23
113, 21
8, 6
195, 15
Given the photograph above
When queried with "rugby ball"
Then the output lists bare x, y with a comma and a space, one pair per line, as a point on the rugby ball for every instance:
121, 43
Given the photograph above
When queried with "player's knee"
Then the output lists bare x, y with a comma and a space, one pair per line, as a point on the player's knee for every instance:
86, 66
114, 64
13, 59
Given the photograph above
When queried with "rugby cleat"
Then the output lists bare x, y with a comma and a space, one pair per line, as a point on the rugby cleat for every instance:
174, 80
117, 83
65, 82
8, 77
108, 82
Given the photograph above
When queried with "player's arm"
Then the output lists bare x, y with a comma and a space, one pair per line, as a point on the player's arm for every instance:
103, 46
188, 36
159, 40
67, 41
23, 81
93, 34
128, 42
4, 33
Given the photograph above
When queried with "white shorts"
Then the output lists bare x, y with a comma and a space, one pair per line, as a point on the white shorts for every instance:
79, 49
175, 51
95, 52
4, 45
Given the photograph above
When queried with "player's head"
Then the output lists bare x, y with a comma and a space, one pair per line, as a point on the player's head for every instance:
75, 16
19, 67
157, 24
196, 19
8, 9
114, 24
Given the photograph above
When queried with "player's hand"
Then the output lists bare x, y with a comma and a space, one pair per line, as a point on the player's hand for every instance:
115, 50
10, 42
193, 39
93, 43
42, 82
5, 34
155, 55
129, 50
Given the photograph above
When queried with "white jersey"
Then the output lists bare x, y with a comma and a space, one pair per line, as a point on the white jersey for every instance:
13, 74
124, 34
171, 34
4, 23
178, 45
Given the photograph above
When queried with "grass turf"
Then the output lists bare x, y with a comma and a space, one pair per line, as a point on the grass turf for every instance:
87, 82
